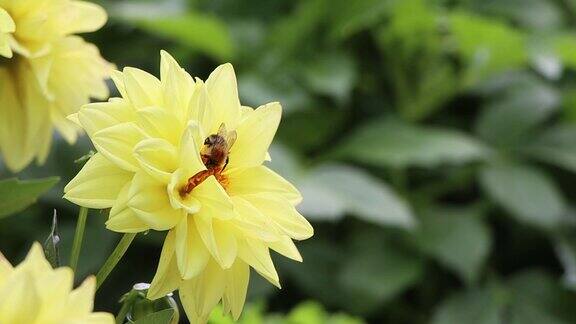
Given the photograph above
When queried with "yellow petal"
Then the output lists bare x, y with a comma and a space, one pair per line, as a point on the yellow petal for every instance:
167, 277
286, 247
122, 218
255, 133
214, 199
191, 253
97, 318
157, 157
201, 294
201, 108
237, 278
118, 79
149, 200
98, 184
117, 144
223, 91
81, 299
257, 256
160, 123
260, 179
82, 17
5, 268
218, 238
178, 86
188, 203
191, 140
143, 89
283, 214
98, 116
252, 222
19, 293
35, 262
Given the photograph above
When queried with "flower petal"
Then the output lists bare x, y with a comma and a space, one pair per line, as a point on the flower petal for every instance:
257, 256
252, 222
117, 144
157, 157
142, 88
237, 278
255, 133
148, 199
283, 214
178, 85
286, 247
98, 184
122, 218
261, 179
98, 116
201, 294
81, 299
82, 17
223, 91
19, 293
218, 238
191, 253
160, 123
167, 278
214, 199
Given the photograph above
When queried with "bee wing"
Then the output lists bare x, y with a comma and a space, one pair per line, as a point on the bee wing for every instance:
222, 130
231, 138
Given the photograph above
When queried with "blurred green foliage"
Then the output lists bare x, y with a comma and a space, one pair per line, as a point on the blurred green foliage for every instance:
434, 142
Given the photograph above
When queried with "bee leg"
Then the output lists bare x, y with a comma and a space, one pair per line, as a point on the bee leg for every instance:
225, 164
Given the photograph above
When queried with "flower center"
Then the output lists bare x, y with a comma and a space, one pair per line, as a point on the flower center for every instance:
214, 155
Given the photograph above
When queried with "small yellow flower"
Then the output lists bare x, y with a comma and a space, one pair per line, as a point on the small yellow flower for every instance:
34, 293
182, 155
46, 73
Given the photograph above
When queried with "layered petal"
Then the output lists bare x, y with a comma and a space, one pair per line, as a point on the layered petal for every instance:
149, 201
261, 180
167, 277
98, 184
255, 133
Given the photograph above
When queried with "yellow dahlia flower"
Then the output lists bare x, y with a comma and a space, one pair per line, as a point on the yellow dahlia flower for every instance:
46, 73
183, 155
34, 293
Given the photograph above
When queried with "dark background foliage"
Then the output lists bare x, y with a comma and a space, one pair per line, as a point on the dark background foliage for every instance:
434, 142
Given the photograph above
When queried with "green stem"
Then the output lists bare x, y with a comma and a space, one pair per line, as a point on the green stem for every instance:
78, 237
114, 258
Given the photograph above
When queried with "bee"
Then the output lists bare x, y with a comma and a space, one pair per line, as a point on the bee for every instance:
215, 156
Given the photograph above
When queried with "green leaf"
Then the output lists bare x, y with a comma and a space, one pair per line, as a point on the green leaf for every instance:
566, 251
376, 271
335, 190
456, 237
193, 30
565, 48
333, 74
470, 307
16, 194
526, 193
538, 298
487, 46
392, 143
307, 313
350, 17
52, 244
161, 317
537, 15
556, 145
512, 114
